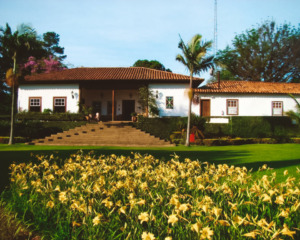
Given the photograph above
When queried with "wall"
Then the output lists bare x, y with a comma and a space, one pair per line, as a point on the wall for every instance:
249, 104
47, 92
180, 98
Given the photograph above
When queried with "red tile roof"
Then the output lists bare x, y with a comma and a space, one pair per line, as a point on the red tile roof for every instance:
115, 73
251, 87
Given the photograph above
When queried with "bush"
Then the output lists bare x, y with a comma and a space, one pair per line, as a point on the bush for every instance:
164, 127
48, 116
37, 129
254, 127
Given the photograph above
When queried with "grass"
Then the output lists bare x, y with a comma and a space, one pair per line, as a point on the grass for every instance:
277, 156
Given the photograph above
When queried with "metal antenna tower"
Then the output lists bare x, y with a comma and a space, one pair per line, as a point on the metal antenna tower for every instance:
216, 28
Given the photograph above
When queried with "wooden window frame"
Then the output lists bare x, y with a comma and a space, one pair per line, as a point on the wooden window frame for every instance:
29, 105
237, 107
54, 98
274, 102
171, 104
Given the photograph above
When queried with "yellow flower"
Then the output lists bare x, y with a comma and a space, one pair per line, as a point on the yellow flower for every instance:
96, 221
50, 204
183, 207
122, 210
173, 219
279, 200
196, 227
206, 233
62, 196
144, 217
250, 235
147, 236
286, 231
266, 198
224, 223
168, 238
75, 224
286, 172
238, 220
217, 211
285, 213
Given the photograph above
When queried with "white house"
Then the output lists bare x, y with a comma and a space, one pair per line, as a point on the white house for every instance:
113, 92
246, 98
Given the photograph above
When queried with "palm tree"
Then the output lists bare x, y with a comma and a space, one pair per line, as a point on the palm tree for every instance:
15, 44
194, 58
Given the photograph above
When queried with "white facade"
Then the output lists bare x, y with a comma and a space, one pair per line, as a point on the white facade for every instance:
248, 104
46, 93
180, 99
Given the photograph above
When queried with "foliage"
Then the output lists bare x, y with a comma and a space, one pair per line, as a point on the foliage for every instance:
33, 129
89, 197
195, 59
267, 53
48, 46
147, 101
292, 114
49, 116
44, 65
154, 64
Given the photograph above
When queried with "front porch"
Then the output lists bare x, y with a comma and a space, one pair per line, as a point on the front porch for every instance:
113, 103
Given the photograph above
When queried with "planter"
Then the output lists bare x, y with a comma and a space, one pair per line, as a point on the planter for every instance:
134, 118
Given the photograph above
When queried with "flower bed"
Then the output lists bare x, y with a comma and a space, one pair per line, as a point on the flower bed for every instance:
140, 197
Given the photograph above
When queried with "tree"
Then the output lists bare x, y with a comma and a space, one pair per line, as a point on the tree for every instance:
40, 47
195, 59
154, 64
44, 65
147, 101
266, 53
16, 44
292, 114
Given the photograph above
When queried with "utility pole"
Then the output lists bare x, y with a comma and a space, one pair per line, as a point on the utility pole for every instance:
216, 28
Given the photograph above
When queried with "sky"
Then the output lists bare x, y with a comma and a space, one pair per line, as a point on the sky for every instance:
116, 33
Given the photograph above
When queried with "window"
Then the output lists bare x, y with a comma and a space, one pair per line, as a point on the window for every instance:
59, 104
169, 103
277, 108
232, 106
35, 104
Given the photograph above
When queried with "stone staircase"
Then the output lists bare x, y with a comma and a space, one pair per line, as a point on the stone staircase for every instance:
103, 134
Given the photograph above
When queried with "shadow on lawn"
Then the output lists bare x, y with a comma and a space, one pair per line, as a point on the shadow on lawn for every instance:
219, 157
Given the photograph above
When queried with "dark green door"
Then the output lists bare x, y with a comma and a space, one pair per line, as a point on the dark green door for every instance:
128, 107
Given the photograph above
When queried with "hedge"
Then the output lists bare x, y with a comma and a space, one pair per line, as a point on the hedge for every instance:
164, 127
37, 129
243, 127
50, 116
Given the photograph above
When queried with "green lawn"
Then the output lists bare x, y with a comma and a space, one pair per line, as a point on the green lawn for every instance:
278, 156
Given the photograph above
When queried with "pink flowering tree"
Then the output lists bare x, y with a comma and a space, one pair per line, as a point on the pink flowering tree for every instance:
44, 65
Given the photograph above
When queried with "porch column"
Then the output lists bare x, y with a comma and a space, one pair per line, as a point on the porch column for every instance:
113, 105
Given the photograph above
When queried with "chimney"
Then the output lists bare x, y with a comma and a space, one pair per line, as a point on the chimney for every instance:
219, 79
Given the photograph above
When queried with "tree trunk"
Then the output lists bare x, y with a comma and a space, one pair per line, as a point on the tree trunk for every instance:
12, 115
187, 143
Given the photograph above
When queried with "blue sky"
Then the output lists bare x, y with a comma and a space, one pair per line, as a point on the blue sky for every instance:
116, 33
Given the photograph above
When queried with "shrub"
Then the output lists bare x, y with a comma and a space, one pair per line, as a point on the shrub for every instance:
37, 129
48, 116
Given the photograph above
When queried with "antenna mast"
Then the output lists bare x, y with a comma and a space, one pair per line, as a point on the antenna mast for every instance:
216, 28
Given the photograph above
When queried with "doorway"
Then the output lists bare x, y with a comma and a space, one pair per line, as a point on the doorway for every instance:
205, 107
128, 107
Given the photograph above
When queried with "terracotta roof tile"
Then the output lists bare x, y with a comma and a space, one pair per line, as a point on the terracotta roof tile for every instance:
250, 87
116, 73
